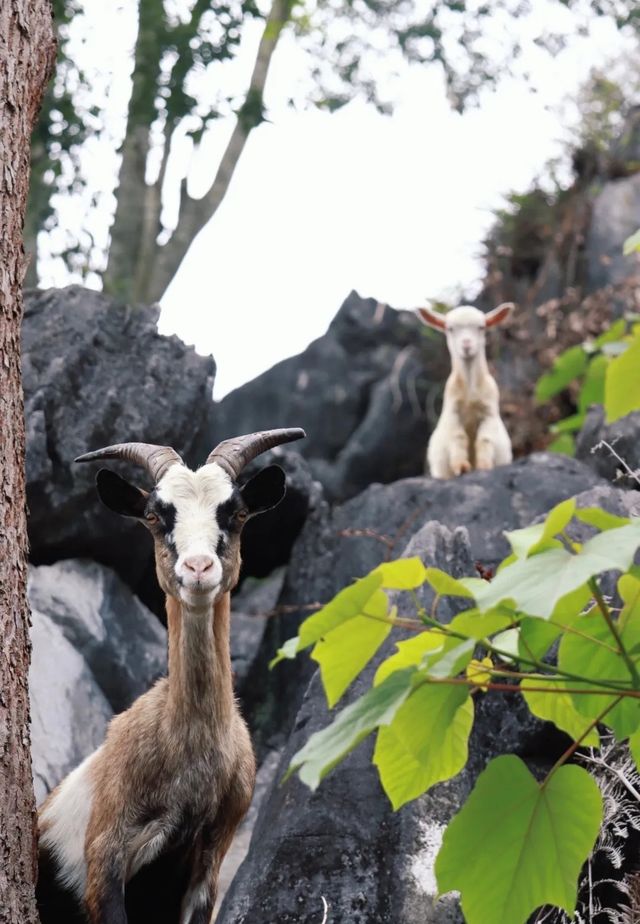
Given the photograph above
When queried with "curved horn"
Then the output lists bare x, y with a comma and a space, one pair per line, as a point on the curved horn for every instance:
232, 455
156, 459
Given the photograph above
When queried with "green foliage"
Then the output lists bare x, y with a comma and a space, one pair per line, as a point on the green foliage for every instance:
518, 843
605, 370
516, 830
632, 244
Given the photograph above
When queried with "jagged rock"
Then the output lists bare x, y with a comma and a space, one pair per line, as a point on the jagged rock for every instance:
372, 865
250, 609
97, 372
623, 436
614, 218
122, 642
360, 391
69, 713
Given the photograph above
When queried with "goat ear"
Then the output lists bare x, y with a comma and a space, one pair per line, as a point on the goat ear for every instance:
432, 318
499, 314
265, 490
120, 496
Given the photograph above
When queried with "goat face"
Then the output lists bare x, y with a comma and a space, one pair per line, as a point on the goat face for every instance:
465, 327
195, 519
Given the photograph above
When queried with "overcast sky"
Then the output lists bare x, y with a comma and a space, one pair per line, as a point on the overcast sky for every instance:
394, 207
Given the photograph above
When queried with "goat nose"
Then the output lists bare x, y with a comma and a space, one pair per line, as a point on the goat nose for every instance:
198, 565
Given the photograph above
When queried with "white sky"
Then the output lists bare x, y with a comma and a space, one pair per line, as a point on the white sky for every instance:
394, 207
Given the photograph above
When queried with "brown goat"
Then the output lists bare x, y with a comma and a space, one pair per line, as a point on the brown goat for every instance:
136, 834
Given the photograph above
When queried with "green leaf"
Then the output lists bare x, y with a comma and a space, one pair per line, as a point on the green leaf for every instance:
410, 653
537, 584
516, 844
631, 244
288, 651
349, 603
564, 444
328, 747
601, 519
402, 574
634, 747
616, 332
479, 625
592, 391
558, 708
426, 743
568, 366
453, 658
529, 540
445, 585
567, 425
345, 651
509, 644
536, 637
622, 385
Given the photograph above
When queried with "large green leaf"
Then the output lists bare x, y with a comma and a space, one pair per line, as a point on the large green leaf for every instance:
426, 743
326, 748
558, 708
517, 844
537, 584
349, 603
345, 651
622, 385
568, 366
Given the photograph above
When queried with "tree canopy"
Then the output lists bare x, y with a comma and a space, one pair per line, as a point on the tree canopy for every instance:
351, 49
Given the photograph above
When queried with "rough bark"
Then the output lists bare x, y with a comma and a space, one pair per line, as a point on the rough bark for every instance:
139, 269
26, 58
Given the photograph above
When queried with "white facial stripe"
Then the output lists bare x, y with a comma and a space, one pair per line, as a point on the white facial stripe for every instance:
195, 497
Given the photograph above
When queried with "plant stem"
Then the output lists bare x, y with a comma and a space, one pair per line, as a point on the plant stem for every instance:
573, 747
604, 609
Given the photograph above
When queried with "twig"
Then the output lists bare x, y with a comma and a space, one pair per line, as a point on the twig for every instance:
603, 444
325, 916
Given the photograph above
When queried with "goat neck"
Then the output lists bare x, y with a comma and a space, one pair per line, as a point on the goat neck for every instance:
200, 677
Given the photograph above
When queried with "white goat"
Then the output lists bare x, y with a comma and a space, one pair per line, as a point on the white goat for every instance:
470, 432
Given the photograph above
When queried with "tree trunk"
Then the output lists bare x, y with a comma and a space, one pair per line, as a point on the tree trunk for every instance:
27, 52
131, 221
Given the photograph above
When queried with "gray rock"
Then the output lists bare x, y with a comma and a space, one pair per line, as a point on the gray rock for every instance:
120, 639
251, 607
623, 436
69, 713
97, 372
615, 216
366, 392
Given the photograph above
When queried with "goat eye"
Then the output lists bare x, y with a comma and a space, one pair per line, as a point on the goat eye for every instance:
152, 518
242, 515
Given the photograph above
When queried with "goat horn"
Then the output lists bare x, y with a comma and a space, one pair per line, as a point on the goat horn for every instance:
232, 455
156, 459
